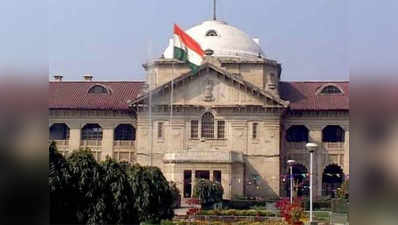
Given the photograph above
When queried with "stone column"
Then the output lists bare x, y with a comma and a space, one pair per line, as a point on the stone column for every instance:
193, 181
346, 165
226, 182
315, 136
74, 138
107, 142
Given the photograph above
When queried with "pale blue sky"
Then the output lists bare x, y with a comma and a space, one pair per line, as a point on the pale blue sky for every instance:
313, 39
112, 39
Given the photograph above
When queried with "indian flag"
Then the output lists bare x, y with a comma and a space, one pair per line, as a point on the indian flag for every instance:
187, 49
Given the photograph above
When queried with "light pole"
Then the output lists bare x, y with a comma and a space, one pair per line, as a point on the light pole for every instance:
311, 147
291, 163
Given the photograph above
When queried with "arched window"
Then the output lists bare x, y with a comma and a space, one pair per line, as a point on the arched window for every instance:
98, 89
209, 52
211, 33
207, 125
333, 133
124, 132
91, 131
300, 181
332, 178
59, 131
297, 133
330, 90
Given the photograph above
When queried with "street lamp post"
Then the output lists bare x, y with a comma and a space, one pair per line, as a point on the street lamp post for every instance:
291, 163
311, 147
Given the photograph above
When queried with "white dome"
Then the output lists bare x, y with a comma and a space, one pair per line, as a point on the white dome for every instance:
227, 41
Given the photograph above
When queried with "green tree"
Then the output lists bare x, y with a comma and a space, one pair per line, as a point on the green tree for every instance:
176, 194
117, 194
86, 180
61, 192
208, 192
343, 191
153, 196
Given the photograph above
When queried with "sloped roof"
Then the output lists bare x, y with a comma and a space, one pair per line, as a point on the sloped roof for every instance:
74, 94
303, 95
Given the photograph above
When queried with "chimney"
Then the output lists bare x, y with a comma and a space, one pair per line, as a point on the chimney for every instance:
58, 77
88, 77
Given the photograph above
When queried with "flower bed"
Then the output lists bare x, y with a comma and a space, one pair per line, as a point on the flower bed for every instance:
223, 223
234, 212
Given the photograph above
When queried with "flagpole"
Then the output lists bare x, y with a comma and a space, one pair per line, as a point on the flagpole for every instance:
171, 95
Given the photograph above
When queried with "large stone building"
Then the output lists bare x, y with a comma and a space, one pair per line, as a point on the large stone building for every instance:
233, 121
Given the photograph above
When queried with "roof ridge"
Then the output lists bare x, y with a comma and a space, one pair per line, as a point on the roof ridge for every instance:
96, 81
316, 81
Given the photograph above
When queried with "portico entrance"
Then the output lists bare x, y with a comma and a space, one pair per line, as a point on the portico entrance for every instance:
223, 167
199, 174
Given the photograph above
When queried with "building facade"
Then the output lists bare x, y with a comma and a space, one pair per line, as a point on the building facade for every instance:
232, 121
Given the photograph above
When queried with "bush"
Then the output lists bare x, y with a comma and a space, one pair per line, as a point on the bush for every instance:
208, 192
317, 204
234, 212
343, 191
340, 205
176, 195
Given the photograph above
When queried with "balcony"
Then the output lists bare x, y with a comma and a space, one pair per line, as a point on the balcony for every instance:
123, 144
62, 145
124, 150
333, 146
95, 147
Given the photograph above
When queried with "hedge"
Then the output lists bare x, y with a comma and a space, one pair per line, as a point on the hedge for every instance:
234, 212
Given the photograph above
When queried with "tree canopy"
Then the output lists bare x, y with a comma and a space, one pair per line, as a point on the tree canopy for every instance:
83, 191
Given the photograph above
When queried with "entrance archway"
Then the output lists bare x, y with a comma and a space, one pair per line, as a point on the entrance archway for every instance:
332, 178
300, 181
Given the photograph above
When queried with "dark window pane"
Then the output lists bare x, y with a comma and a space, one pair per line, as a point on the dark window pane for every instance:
160, 130
333, 133
254, 134
208, 125
194, 128
217, 175
330, 90
91, 132
59, 131
97, 89
124, 132
297, 133
221, 129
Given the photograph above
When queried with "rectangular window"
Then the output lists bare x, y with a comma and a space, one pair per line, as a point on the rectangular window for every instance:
254, 131
221, 129
217, 176
160, 130
194, 129
187, 183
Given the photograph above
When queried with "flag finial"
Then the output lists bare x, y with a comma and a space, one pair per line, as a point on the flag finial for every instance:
214, 9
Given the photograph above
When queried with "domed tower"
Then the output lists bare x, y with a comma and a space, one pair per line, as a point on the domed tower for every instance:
232, 49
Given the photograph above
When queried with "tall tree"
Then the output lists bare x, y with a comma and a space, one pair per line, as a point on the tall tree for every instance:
61, 193
117, 194
154, 198
86, 180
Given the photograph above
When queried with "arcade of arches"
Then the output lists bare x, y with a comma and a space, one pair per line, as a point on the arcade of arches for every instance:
332, 178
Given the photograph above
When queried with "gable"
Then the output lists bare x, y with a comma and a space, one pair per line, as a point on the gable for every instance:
211, 86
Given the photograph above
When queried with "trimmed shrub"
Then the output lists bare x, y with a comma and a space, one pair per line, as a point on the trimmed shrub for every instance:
208, 192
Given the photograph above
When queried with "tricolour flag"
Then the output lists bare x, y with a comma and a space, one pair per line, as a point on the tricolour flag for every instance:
187, 49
